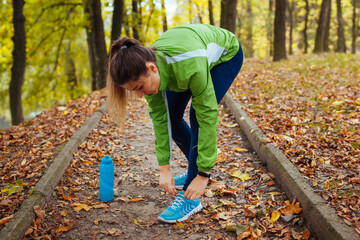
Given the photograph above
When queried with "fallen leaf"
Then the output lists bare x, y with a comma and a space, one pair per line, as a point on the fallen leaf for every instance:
224, 216
114, 231
96, 221
136, 199
64, 213
40, 213
63, 228
238, 149
249, 211
180, 224
225, 191
274, 216
290, 209
101, 205
5, 219
271, 183
296, 235
67, 198
30, 230
227, 203
138, 222
216, 186
209, 193
242, 176
79, 206
237, 228
305, 234
354, 180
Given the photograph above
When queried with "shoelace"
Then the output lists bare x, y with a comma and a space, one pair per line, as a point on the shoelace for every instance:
177, 202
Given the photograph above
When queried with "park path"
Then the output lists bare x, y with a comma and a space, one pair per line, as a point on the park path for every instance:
246, 200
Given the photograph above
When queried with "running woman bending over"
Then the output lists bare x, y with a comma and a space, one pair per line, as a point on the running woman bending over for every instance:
197, 62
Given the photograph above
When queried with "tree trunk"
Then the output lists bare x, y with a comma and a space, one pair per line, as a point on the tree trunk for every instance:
199, 12
135, 20
322, 25
249, 37
306, 26
70, 71
290, 7
270, 27
163, 15
280, 30
327, 30
96, 44
341, 46
354, 26
19, 62
228, 14
211, 15
117, 19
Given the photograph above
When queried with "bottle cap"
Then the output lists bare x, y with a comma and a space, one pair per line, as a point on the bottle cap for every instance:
106, 159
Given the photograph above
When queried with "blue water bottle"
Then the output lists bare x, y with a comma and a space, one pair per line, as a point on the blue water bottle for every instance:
106, 179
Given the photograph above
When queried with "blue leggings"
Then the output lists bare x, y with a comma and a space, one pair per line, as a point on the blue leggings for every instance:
186, 137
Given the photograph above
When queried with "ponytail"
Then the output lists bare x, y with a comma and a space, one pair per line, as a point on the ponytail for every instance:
127, 62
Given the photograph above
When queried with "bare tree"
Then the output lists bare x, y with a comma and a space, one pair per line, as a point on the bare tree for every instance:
290, 8
19, 62
96, 44
322, 26
279, 30
70, 69
307, 9
341, 46
270, 27
354, 26
135, 20
228, 14
211, 14
163, 15
327, 30
117, 19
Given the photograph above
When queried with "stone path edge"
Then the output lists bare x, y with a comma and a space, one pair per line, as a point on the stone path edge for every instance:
319, 217
17, 226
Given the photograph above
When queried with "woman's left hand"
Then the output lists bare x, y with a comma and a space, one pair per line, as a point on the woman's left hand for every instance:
196, 188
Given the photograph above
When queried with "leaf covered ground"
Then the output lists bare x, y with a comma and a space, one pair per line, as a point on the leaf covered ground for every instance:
309, 106
242, 202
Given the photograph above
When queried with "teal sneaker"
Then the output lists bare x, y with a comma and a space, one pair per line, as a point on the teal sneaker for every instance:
181, 179
180, 210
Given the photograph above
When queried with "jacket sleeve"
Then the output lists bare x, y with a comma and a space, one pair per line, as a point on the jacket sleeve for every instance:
158, 114
206, 108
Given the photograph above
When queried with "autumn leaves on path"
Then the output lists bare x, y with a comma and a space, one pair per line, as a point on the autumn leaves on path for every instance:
242, 201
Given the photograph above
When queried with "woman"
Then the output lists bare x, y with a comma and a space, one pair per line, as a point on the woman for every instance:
194, 61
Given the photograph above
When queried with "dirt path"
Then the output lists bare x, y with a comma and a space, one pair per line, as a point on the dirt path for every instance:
245, 202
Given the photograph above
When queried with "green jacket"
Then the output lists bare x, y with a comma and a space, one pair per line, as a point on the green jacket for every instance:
185, 56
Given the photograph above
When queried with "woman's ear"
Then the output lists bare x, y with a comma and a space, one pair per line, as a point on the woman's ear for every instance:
152, 67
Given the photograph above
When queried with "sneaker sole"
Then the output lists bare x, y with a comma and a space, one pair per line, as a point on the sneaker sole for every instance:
195, 210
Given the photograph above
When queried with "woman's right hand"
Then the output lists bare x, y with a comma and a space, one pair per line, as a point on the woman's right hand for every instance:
166, 179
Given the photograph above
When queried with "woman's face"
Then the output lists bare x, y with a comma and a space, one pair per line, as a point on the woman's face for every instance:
146, 84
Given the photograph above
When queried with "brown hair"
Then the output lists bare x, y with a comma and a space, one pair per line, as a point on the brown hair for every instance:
127, 62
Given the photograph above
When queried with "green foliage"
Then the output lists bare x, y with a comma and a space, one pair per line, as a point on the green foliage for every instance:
55, 32
13, 188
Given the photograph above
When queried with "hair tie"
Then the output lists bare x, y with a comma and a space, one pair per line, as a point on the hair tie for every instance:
122, 47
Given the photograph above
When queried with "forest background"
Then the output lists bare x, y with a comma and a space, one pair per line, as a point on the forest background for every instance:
65, 42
